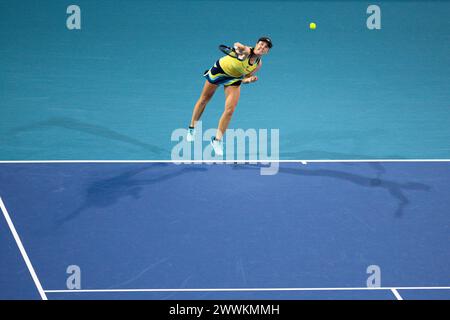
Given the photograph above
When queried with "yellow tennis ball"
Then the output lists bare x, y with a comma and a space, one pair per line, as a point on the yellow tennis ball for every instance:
312, 25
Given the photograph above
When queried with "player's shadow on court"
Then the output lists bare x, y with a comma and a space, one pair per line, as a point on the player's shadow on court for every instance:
395, 189
345, 139
106, 192
326, 155
92, 129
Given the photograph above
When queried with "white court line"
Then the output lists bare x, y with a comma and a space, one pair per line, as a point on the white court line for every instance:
396, 294
22, 250
220, 161
245, 289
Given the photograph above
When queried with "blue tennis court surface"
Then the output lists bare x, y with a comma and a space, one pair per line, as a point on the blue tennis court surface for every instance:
171, 231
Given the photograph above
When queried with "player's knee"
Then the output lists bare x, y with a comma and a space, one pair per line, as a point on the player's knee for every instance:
204, 99
229, 110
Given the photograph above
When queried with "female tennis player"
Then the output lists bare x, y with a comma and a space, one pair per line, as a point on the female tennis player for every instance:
230, 72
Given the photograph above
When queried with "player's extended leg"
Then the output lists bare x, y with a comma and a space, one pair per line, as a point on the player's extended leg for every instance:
205, 96
232, 94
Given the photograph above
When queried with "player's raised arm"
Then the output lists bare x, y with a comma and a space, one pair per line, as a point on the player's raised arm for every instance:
242, 49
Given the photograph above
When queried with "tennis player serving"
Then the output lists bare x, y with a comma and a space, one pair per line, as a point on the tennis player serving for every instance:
238, 66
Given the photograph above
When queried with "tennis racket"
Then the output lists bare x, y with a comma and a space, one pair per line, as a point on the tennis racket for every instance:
232, 52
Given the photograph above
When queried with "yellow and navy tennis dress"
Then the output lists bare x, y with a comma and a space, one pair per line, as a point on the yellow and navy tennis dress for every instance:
230, 71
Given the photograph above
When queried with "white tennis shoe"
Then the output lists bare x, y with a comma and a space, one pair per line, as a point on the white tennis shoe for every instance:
190, 135
217, 146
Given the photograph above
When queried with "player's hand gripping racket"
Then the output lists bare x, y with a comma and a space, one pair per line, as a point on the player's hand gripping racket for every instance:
232, 52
